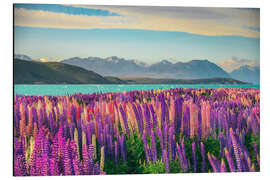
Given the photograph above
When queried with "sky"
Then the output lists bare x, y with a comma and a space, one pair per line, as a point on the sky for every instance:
225, 36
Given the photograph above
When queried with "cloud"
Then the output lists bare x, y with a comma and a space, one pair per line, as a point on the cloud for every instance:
58, 8
203, 21
231, 64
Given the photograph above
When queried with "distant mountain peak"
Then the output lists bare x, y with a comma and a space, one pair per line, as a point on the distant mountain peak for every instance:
232, 64
165, 62
120, 67
200, 61
247, 73
251, 68
22, 57
139, 63
113, 59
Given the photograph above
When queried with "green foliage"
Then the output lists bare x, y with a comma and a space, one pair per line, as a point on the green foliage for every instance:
135, 154
155, 168
110, 167
249, 140
159, 167
175, 167
207, 94
136, 163
212, 145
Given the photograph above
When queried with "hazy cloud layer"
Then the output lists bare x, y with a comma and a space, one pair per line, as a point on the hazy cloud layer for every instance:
231, 64
204, 21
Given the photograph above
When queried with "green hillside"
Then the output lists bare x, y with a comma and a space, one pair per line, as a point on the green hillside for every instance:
144, 80
32, 72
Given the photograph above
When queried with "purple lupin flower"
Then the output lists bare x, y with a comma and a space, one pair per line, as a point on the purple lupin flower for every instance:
139, 109
246, 158
38, 166
223, 166
244, 164
184, 155
67, 162
76, 166
169, 145
194, 157
54, 149
110, 146
123, 148
124, 119
222, 144
173, 148
116, 152
213, 163
153, 146
186, 121
229, 160
85, 162
203, 166
258, 159
165, 138
181, 159
45, 165
91, 152
145, 147
236, 149
96, 170
20, 166
147, 119
138, 119
163, 113
154, 116
166, 161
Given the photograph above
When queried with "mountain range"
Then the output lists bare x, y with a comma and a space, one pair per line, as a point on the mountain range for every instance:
114, 66
34, 72
247, 73
194, 69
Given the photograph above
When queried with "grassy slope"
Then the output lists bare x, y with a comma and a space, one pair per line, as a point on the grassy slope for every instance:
30, 72
182, 81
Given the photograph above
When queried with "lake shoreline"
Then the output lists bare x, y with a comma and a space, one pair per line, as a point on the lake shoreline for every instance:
53, 90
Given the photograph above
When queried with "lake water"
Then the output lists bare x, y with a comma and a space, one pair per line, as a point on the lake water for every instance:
88, 89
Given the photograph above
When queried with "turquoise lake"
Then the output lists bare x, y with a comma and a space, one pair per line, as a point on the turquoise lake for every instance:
88, 89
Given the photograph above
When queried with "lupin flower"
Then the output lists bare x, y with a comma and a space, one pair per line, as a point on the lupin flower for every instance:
194, 157
85, 160
166, 161
94, 145
236, 149
102, 159
67, 162
223, 166
123, 148
76, 166
63, 135
116, 152
203, 164
229, 160
213, 163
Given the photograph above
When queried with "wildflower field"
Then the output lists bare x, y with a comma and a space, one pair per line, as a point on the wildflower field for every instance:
153, 131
